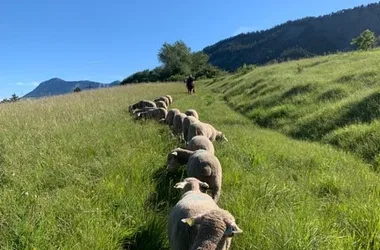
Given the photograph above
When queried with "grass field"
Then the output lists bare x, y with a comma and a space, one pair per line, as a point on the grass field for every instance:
333, 99
76, 172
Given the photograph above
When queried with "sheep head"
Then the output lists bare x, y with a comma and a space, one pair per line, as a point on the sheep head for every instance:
216, 216
192, 184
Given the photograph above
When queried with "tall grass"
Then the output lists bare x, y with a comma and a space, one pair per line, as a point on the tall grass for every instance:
77, 172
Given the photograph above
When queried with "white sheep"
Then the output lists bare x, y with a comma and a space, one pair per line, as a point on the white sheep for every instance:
158, 114
187, 121
142, 104
200, 164
170, 99
206, 167
170, 117
177, 158
201, 128
161, 104
196, 221
177, 122
192, 112
200, 142
165, 99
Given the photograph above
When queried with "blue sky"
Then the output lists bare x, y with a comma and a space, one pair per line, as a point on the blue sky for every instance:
108, 40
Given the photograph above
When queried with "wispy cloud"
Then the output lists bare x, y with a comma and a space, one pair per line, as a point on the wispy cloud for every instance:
34, 83
244, 29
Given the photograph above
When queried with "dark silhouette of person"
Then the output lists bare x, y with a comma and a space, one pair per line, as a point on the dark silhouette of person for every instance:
190, 84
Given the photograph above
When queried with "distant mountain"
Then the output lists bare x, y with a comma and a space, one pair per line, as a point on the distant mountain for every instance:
58, 86
296, 39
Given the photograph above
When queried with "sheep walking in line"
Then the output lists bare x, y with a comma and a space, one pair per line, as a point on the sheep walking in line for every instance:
158, 114
170, 117
206, 167
200, 142
201, 128
192, 112
170, 99
196, 221
201, 164
177, 122
163, 99
187, 121
142, 104
161, 104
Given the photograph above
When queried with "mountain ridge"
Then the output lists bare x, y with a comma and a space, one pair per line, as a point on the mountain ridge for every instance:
58, 86
296, 39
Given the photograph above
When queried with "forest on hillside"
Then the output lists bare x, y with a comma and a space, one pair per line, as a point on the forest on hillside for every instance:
296, 39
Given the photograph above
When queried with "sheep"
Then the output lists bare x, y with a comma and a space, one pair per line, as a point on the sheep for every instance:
158, 114
164, 99
161, 104
206, 167
201, 164
177, 122
141, 110
201, 128
200, 142
187, 121
170, 99
142, 104
170, 116
192, 112
178, 157
196, 221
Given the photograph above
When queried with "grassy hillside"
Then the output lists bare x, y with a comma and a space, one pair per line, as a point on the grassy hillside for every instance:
76, 172
332, 99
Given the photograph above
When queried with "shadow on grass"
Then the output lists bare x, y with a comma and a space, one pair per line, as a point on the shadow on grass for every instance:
151, 235
165, 196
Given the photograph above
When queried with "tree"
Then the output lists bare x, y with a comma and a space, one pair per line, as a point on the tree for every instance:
176, 58
365, 41
14, 98
77, 89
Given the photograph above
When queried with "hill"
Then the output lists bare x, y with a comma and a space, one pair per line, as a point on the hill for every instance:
331, 99
296, 39
56, 86
84, 175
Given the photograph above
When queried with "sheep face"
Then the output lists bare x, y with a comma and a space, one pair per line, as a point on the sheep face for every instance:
218, 216
173, 162
221, 137
191, 184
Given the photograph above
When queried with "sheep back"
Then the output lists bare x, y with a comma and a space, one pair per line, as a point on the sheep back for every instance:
206, 167
201, 142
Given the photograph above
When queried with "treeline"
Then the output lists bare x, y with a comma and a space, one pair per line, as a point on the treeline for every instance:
302, 38
13, 98
177, 62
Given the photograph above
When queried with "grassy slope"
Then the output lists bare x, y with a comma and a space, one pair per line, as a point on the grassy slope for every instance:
334, 99
77, 173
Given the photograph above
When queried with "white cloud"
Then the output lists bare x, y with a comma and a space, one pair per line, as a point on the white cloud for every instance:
244, 29
34, 83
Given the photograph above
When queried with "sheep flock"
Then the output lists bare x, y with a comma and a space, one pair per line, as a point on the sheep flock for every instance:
196, 221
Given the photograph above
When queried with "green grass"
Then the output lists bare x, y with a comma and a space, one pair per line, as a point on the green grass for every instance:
76, 172
326, 95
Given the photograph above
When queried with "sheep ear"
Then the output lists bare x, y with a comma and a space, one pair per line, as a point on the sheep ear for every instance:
180, 185
224, 138
175, 153
189, 221
204, 185
232, 229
